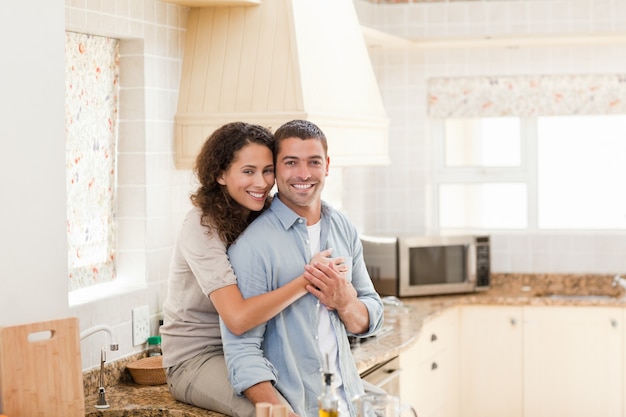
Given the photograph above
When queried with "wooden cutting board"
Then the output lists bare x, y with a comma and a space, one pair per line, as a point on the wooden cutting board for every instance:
40, 370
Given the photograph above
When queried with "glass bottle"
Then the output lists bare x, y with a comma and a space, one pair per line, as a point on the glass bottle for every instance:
328, 401
154, 346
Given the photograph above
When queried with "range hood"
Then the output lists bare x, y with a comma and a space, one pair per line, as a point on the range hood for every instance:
277, 61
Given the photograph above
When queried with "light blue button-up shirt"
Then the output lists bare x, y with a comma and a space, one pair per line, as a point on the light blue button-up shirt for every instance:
285, 350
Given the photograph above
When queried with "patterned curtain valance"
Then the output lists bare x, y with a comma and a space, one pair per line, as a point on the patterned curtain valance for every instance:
527, 96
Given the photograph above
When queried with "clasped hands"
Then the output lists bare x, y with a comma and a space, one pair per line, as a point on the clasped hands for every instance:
327, 281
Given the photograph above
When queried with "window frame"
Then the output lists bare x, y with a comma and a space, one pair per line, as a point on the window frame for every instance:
525, 173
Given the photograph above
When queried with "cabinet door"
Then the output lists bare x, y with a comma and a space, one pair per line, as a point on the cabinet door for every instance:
573, 361
429, 378
490, 360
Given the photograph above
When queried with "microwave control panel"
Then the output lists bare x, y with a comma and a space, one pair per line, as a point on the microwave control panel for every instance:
483, 261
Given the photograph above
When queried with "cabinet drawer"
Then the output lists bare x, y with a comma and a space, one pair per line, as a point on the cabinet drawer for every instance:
438, 333
430, 384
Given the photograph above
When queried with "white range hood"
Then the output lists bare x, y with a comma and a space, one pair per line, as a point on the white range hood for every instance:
278, 61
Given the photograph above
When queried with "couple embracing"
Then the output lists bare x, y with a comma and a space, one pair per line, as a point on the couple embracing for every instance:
261, 290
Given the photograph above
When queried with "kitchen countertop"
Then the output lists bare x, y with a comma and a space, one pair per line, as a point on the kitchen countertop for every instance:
402, 327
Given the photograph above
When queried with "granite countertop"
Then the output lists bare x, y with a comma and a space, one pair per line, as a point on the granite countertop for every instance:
130, 400
402, 327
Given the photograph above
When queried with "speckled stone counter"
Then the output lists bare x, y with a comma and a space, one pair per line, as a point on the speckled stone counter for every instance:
405, 322
403, 325
130, 400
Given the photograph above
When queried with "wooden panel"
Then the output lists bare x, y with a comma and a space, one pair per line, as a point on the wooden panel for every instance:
234, 72
195, 62
214, 3
284, 62
215, 50
257, 65
40, 369
250, 55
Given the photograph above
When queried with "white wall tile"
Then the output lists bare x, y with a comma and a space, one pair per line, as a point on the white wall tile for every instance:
397, 71
150, 73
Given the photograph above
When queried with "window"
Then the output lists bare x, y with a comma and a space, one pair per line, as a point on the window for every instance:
485, 142
91, 120
541, 173
581, 172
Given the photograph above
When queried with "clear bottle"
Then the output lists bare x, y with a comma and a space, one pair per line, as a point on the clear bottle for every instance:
154, 346
328, 401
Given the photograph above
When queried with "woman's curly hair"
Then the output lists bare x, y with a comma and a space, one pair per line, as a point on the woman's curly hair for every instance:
220, 212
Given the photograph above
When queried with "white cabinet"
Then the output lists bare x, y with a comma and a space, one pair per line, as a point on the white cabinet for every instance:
518, 361
573, 361
490, 361
429, 378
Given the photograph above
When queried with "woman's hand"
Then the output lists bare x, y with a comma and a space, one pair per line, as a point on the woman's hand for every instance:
324, 258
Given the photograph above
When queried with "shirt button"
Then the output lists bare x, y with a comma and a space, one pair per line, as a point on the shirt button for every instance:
299, 220
316, 337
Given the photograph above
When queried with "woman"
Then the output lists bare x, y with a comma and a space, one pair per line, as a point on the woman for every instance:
236, 172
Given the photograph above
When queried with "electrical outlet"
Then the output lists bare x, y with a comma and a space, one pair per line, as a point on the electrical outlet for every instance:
141, 325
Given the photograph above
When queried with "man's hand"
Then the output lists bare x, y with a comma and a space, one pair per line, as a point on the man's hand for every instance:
337, 293
264, 392
329, 286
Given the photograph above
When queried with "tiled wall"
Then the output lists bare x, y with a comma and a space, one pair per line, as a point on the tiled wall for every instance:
152, 194
394, 199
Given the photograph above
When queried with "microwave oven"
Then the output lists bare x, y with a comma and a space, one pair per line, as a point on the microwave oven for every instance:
427, 265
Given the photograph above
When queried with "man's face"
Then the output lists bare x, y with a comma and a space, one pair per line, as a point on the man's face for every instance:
301, 170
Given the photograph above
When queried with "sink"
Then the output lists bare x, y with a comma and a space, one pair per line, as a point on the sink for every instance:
581, 297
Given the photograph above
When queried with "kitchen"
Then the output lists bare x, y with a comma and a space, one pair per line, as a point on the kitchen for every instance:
383, 199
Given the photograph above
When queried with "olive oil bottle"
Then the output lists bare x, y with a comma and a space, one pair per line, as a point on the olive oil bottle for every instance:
328, 401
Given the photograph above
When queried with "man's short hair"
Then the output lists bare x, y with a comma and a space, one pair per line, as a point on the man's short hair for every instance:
302, 129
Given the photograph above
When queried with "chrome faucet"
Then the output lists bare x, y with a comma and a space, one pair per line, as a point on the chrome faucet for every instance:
102, 402
619, 280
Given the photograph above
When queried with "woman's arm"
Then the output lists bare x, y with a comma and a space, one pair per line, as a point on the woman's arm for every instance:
240, 314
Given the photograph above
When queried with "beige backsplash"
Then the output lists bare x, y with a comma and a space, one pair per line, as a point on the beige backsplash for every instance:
114, 373
537, 285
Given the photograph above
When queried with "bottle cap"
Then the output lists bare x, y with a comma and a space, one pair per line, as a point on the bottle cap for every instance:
154, 340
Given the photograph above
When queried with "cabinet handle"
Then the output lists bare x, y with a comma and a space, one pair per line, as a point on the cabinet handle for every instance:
433, 366
433, 337
513, 321
613, 322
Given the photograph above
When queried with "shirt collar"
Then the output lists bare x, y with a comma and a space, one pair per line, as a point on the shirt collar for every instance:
287, 216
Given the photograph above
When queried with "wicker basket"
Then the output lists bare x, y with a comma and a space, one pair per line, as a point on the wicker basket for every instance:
148, 371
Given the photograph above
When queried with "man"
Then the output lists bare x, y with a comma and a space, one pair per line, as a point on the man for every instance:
293, 348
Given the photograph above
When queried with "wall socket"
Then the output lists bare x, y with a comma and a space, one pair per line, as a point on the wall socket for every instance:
141, 325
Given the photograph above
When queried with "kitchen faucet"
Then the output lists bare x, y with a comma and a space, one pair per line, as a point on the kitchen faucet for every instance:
619, 280
101, 328
102, 402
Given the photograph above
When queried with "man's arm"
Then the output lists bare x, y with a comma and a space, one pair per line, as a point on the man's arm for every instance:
244, 357
263, 392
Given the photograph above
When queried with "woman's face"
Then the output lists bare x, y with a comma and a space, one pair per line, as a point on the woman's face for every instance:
250, 177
